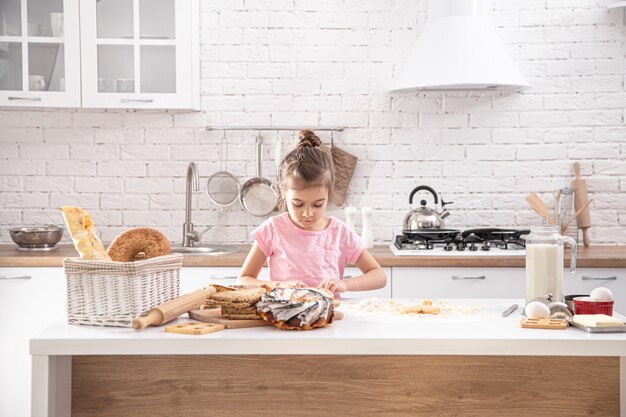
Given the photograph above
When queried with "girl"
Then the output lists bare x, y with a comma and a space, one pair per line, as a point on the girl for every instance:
305, 247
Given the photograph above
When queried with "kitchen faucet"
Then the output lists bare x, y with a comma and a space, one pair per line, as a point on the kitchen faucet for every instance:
190, 237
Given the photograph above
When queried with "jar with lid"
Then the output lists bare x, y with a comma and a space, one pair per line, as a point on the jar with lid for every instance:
544, 262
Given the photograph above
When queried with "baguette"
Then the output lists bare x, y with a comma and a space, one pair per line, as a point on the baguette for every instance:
83, 232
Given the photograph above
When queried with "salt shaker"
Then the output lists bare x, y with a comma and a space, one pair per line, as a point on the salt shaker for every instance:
350, 216
366, 233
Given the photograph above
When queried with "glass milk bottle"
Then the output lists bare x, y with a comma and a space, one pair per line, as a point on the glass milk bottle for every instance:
544, 262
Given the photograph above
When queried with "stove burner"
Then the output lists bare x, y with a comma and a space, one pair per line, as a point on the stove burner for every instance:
451, 240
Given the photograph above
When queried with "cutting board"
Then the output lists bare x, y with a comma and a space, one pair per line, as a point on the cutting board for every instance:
194, 328
210, 316
552, 324
213, 316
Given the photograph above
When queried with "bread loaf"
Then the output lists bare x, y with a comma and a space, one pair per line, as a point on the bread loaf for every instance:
83, 232
297, 308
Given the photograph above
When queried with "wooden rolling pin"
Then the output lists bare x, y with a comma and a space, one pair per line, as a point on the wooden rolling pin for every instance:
583, 220
170, 310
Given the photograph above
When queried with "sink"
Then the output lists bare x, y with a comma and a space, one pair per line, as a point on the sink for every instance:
205, 250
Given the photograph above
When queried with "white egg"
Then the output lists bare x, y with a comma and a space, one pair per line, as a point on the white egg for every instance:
536, 310
601, 294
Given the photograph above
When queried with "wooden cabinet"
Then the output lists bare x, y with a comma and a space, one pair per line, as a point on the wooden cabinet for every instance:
39, 53
140, 54
30, 300
458, 282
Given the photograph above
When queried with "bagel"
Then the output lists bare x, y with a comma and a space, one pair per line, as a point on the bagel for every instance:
129, 243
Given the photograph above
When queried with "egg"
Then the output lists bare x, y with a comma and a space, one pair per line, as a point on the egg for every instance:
601, 294
536, 310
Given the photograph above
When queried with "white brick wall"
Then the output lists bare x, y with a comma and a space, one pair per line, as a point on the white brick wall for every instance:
304, 63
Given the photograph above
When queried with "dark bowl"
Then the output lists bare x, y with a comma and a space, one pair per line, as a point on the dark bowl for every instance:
36, 236
569, 300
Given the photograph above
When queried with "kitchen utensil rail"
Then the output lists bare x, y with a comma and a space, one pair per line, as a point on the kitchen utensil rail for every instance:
282, 128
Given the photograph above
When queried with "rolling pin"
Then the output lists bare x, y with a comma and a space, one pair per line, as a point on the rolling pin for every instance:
583, 220
168, 311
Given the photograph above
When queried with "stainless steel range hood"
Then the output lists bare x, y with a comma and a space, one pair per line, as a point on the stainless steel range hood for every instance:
458, 49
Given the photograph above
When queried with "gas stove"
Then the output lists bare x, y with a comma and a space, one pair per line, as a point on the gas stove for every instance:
452, 242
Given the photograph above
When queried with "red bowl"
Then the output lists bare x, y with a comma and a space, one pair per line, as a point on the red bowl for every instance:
582, 306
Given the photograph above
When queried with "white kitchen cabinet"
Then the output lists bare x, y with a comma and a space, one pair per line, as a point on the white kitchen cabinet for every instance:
409, 282
586, 279
100, 54
140, 54
39, 53
192, 278
30, 300
384, 292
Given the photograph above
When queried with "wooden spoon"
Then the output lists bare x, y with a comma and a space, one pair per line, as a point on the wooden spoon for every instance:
539, 206
564, 227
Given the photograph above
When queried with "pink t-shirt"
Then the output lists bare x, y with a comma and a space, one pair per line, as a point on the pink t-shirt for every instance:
296, 254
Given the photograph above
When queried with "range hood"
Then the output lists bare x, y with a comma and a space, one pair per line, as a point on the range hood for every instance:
458, 49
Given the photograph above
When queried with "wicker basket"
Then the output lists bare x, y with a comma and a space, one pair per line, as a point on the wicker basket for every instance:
101, 293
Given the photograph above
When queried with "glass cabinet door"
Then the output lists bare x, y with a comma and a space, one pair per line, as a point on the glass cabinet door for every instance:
39, 54
137, 53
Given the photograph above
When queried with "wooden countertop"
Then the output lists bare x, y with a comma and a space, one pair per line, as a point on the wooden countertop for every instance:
595, 256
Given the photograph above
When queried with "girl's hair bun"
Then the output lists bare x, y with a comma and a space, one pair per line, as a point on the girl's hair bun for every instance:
308, 139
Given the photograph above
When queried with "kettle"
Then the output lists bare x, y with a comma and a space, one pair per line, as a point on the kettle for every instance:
425, 217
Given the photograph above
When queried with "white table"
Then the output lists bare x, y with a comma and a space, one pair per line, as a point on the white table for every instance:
483, 333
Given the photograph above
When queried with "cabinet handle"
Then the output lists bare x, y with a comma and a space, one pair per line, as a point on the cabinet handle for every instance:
223, 277
24, 277
136, 100
586, 278
13, 98
460, 277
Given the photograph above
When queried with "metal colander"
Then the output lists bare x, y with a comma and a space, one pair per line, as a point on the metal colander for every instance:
223, 188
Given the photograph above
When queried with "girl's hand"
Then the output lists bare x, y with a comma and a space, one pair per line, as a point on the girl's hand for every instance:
334, 285
292, 284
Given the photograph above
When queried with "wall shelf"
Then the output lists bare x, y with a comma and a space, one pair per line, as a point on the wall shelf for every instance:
616, 5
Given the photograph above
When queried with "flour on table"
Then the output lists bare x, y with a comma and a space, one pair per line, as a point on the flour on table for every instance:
375, 307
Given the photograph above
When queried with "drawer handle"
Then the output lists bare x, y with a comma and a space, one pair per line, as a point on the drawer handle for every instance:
13, 98
586, 278
223, 277
136, 100
23, 277
347, 276
461, 277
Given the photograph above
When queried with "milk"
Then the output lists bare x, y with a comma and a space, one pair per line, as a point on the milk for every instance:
544, 271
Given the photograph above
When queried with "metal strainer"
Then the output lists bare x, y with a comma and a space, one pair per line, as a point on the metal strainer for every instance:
223, 188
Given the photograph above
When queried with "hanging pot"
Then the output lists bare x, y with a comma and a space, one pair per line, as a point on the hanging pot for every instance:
425, 217
258, 195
